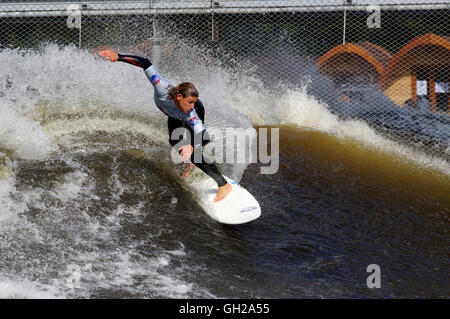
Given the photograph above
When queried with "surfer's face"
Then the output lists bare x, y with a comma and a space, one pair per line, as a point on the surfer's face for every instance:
186, 104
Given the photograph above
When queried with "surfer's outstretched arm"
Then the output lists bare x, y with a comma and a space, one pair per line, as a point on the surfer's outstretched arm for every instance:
161, 85
161, 91
135, 60
162, 88
131, 59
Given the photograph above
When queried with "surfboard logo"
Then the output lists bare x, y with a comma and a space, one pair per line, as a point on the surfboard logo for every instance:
155, 79
248, 209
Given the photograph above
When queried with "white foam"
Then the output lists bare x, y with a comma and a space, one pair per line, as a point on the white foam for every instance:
128, 270
71, 187
25, 138
25, 289
63, 130
10, 208
6, 203
64, 80
68, 79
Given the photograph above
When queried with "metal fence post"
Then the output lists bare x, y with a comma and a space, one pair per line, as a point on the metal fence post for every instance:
345, 25
79, 31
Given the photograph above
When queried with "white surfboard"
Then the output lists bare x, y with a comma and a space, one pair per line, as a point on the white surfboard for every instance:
237, 208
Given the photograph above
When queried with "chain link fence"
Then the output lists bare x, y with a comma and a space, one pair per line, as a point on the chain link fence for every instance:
384, 62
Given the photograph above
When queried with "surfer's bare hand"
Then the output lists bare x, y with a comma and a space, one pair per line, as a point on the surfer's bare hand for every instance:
110, 55
186, 152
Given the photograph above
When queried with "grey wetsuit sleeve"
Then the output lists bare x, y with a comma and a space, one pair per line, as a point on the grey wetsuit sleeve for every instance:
162, 87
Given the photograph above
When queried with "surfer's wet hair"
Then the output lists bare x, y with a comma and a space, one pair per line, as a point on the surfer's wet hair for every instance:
186, 89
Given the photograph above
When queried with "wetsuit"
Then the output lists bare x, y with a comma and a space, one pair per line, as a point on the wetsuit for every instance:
192, 121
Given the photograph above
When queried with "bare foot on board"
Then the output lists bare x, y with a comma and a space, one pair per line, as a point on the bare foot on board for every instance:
223, 192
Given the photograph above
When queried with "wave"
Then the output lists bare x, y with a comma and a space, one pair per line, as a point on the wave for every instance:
298, 108
53, 92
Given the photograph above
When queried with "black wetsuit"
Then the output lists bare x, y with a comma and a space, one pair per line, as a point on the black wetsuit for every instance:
192, 121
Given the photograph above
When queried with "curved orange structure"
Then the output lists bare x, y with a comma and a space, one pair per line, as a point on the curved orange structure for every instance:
355, 58
427, 56
372, 53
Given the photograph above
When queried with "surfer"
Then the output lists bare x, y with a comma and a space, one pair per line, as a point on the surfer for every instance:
184, 110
